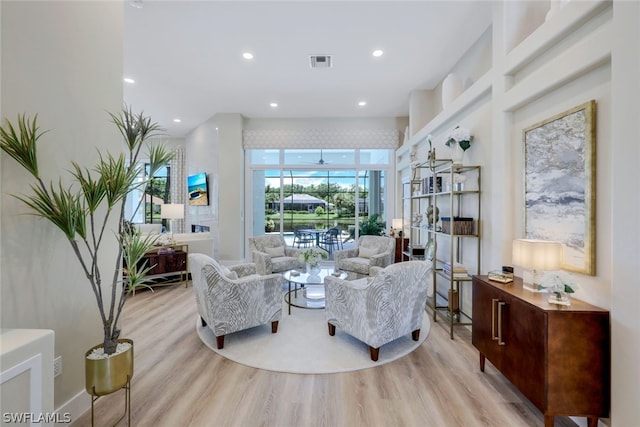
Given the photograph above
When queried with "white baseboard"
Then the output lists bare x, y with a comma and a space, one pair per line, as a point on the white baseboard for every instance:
76, 406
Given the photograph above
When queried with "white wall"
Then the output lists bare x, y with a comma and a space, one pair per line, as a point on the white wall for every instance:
231, 186
594, 85
201, 146
216, 148
169, 142
586, 50
63, 61
624, 235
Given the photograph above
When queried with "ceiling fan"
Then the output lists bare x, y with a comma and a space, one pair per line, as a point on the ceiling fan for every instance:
320, 161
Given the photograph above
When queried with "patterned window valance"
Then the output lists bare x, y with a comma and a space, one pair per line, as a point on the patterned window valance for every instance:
321, 138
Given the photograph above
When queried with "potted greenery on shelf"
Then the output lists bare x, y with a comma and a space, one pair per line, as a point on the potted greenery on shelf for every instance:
84, 210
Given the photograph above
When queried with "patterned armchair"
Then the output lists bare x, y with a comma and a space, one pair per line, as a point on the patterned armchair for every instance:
379, 309
235, 298
370, 251
271, 254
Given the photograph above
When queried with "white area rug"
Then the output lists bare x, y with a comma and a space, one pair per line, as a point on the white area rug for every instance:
303, 345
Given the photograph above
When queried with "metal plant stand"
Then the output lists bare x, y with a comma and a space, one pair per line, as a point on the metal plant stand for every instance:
127, 404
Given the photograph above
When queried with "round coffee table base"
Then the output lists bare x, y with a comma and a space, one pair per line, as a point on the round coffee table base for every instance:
297, 298
307, 292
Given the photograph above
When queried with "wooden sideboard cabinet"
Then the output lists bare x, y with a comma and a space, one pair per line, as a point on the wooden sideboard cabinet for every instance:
557, 356
167, 261
401, 248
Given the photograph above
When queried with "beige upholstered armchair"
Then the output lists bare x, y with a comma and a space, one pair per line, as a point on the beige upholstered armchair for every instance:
370, 251
271, 254
379, 309
235, 298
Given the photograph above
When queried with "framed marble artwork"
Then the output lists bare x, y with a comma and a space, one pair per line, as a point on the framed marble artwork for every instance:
559, 184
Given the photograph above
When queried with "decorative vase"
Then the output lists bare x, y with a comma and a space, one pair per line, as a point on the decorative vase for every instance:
457, 153
104, 376
314, 273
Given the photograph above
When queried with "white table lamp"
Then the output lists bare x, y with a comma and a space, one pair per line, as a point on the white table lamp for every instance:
397, 224
535, 256
172, 211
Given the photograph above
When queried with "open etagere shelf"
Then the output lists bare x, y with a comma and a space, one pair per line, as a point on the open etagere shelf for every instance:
455, 241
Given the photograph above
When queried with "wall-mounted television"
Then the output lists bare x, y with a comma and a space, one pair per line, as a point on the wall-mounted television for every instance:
197, 189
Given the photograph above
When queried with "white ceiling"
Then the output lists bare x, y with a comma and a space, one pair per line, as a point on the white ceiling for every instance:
186, 56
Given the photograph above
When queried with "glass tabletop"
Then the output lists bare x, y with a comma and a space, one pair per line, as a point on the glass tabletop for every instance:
303, 277
306, 290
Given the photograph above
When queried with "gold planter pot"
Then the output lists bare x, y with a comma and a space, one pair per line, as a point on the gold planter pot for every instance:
104, 376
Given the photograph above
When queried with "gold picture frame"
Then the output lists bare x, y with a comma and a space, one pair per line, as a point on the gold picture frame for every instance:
560, 184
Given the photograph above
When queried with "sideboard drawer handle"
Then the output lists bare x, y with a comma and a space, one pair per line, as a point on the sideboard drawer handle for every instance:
494, 309
500, 339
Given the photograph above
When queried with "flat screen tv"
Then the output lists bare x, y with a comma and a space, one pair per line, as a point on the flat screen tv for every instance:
198, 190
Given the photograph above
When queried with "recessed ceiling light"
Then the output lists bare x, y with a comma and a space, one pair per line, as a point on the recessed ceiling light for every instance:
362, 103
129, 80
377, 52
177, 120
247, 55
273, 104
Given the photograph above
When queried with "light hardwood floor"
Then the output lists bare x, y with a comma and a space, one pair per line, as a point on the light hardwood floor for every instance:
178, 381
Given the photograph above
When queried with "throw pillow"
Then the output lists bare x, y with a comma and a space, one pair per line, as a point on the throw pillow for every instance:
360, 283
364, 252
231, 275
275, 252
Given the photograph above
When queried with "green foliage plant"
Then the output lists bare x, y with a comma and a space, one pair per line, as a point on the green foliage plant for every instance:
373, 226
83, 210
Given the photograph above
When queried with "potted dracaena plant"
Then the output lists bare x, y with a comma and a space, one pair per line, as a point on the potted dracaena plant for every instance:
83, 212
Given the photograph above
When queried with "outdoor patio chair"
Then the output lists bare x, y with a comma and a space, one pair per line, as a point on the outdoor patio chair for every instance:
302, 239
331, 239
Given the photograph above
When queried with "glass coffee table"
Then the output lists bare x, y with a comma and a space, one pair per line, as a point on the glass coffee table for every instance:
308, 288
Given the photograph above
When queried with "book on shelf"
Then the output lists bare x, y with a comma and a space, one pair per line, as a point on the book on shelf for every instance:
461, 275
456, 268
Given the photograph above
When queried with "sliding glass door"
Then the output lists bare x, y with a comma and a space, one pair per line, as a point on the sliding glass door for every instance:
314, 189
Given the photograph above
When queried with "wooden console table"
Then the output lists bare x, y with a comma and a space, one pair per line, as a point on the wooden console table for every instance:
401, 248
557, 356
165, 261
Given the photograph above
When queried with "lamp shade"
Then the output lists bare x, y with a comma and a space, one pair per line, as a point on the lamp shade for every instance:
172, 211
537, 254
397, 223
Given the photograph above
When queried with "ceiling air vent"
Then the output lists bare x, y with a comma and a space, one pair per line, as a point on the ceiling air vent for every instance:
320, 61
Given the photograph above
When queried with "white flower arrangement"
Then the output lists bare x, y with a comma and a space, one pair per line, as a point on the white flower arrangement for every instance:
559, 280
313, 256
460, 136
